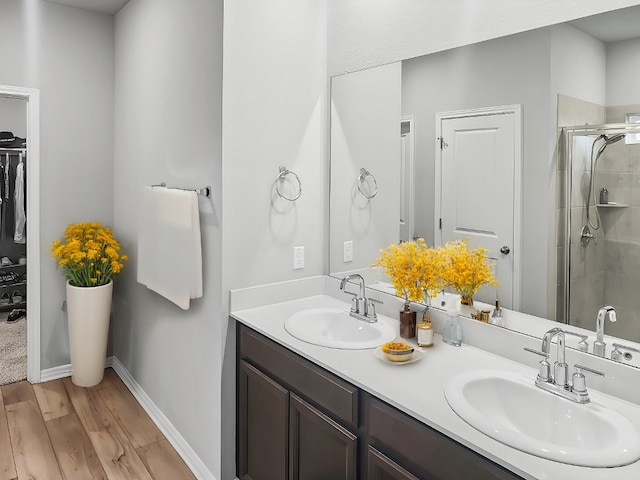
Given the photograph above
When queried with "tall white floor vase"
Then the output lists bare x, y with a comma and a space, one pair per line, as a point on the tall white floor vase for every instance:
88, 313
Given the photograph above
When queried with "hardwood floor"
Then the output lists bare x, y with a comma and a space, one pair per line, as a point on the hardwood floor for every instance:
56, 430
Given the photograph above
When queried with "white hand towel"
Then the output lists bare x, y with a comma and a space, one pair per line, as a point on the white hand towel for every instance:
169, 244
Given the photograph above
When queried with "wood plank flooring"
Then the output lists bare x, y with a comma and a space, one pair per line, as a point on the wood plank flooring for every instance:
56, 430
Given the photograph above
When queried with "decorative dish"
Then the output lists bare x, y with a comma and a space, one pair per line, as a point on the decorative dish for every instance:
416, 355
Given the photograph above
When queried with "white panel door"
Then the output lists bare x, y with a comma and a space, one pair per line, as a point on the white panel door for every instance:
479, 178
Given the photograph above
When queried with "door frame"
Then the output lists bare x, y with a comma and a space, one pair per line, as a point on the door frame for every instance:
32, 98
516, 110
411, 167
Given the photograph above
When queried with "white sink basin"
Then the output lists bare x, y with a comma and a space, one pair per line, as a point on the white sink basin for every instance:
509, 408
333, 327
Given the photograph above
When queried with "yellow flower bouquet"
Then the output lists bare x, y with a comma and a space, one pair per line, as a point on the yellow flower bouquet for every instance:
413, 269
89, 256
465, 270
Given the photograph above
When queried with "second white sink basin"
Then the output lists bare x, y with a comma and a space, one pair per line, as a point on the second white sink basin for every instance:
509, 408
335, 328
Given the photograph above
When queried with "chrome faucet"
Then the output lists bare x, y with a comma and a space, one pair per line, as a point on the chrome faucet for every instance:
361, 307
599, 347
560, 368
558, 383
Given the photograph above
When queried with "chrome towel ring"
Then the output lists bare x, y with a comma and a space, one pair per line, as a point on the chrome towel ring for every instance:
280, 178
364, 173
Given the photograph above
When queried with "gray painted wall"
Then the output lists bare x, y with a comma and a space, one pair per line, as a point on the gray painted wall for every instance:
67, 53
168, 117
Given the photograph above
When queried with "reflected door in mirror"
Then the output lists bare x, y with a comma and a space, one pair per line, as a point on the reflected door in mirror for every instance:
478, 159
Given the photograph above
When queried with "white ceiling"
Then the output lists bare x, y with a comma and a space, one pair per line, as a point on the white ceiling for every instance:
104, 6
623, 24
613, 26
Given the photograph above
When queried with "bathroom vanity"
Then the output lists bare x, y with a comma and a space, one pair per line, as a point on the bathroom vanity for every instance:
308, 411
296, 417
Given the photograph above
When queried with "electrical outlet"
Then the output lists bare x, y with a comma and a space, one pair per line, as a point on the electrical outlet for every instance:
298, 258
347, 253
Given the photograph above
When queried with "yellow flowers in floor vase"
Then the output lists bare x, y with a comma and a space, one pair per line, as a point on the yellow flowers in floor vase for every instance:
89, 257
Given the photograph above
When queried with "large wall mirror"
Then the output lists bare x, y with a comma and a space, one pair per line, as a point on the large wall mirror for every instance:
395, 127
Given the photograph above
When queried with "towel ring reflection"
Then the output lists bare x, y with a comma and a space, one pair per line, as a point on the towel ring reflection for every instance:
280, 178
364, 173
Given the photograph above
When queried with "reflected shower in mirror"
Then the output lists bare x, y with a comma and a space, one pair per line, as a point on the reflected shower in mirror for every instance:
395, 120
600, 249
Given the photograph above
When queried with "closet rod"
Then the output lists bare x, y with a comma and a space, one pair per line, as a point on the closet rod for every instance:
16, 151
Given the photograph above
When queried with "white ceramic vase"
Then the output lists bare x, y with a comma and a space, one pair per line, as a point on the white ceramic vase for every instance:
88, 313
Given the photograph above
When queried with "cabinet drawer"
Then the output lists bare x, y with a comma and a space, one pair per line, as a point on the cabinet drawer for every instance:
427, 451
336, 396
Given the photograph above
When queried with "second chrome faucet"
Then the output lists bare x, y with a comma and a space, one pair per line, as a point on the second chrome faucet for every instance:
599, 347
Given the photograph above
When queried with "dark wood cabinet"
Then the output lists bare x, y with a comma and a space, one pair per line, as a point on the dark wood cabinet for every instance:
381, 467
263, 412
297, 421
425, 452
283, 436
319, 448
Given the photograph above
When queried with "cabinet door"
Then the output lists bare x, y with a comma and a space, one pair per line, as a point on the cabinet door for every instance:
381, 467
429, 453
263, 414
319, 448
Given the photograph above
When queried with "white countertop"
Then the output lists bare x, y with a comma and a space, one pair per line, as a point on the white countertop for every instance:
417, 388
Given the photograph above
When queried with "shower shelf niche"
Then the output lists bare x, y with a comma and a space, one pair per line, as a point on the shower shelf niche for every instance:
612, 205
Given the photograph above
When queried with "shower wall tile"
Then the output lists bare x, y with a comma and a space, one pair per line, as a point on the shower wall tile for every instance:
578, 257
579, 187
617, 113
635, 190
581, 152
573, 111
621, 291
618, 184
622, 256
634, 157
621, 223
578, 220
587, 295
615, 158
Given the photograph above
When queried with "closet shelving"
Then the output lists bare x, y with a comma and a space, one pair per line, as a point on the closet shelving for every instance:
15, 289
13, 294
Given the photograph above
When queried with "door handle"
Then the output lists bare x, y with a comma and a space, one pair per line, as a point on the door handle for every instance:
505, 250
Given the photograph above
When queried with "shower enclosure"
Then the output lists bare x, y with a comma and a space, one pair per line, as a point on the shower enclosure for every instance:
599, 227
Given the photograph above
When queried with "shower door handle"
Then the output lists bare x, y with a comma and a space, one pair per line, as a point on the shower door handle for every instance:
505, 250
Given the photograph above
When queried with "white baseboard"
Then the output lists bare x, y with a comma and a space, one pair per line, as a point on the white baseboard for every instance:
197, 467
63, 371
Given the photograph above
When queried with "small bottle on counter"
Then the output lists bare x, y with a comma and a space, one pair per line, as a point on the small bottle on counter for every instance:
425, 330
496, 317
